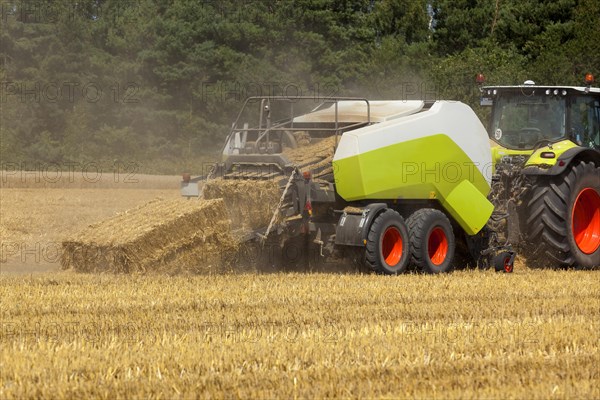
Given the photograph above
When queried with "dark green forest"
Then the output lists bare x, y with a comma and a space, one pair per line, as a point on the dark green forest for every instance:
158, 83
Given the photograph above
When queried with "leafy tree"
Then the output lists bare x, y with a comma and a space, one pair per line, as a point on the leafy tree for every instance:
158, 82
461, 24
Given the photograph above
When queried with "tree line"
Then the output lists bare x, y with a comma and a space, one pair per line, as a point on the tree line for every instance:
159, 82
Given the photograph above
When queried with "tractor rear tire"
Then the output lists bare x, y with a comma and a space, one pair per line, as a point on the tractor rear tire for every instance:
432, 241
563, 216
388, 250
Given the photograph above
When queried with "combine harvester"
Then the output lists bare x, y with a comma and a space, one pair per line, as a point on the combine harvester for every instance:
393, 184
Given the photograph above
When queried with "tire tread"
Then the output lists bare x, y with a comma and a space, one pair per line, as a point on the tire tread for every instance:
547, 220
417, 227
372, 247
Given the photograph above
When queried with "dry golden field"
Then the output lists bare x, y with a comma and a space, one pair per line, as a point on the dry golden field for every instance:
469, 334
36, 213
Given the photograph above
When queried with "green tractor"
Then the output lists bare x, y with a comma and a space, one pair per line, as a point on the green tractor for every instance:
546, 181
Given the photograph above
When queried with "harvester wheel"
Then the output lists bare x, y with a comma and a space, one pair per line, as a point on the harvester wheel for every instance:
388, 250
564, 218
432, 240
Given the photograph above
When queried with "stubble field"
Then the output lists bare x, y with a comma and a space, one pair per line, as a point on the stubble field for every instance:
469, 334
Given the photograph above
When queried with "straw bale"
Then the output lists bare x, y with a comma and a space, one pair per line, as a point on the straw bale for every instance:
250, 203
162, 235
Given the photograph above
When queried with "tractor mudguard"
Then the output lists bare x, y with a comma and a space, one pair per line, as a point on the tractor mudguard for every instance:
352, 229
564, 160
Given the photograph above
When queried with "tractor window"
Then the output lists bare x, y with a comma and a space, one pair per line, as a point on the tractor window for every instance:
521, 122
585, 121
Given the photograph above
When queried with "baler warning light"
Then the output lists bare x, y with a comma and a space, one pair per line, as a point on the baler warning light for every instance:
589, 79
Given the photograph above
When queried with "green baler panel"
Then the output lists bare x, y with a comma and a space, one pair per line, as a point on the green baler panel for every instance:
425, 168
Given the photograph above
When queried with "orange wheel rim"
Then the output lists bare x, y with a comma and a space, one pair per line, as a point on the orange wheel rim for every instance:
507, 265
585, 220
391, 246
438, 246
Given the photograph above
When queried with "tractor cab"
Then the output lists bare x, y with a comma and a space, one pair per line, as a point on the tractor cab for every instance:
545, 145
528, 117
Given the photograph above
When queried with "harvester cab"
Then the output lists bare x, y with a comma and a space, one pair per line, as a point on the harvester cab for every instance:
546, 154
